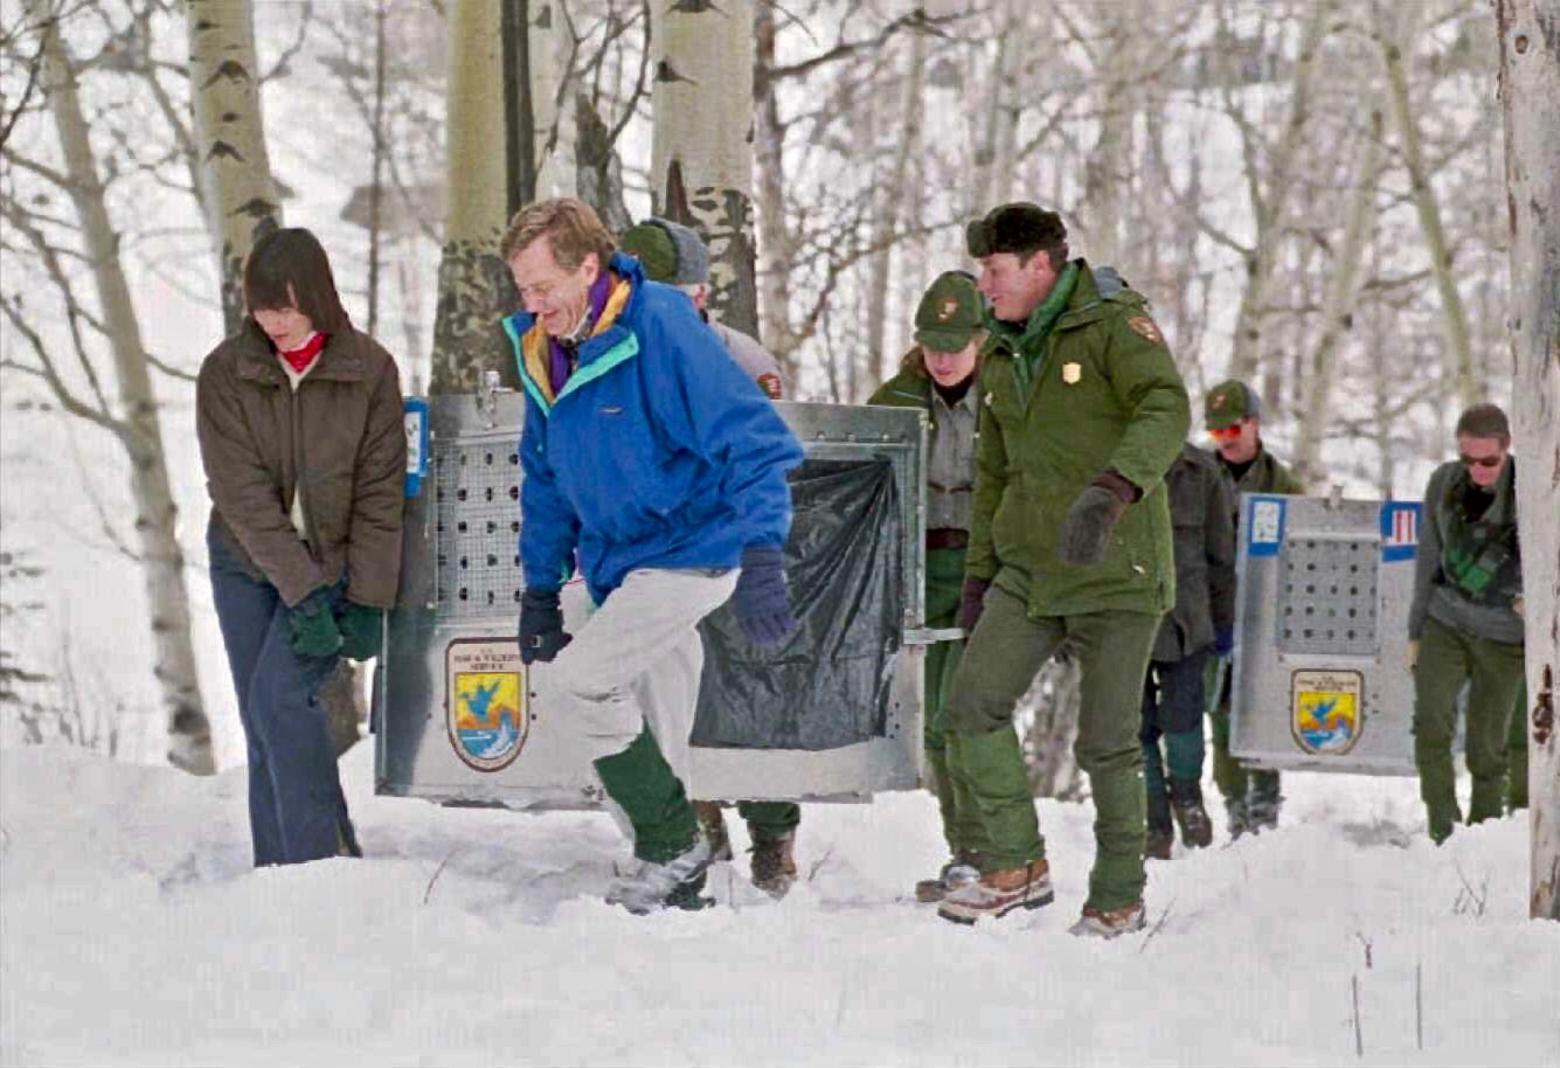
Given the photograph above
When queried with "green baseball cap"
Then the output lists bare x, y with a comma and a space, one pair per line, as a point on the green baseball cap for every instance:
1230, 402
653, 247
950, 313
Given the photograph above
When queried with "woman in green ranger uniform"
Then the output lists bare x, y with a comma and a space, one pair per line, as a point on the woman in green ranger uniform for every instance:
939, 376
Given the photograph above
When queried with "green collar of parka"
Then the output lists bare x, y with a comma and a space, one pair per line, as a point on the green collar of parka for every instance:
1098, 292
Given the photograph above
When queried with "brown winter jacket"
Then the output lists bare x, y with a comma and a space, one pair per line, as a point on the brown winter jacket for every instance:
339, 441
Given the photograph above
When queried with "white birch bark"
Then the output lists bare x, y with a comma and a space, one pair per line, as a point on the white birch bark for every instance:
555, 155
891, 196
1270, 194
1530, 96
775, 246
156, 515
1339, 303
235, 170
994, 156
701, 151
475, 287
1454, 315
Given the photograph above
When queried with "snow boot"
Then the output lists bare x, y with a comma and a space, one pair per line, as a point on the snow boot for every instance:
1158, 842
713, 820
958, 872
675, 883
1239, 821
1187, 804
1160, 836
998, 893
1112, 924
1263, 801
774, 865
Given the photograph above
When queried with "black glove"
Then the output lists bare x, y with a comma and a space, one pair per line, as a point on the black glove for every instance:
1085, 536
542, 635
761, 600
972, 602
313, 624
361, 630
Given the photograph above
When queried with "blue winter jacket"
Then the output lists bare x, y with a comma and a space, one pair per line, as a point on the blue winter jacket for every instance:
658, 451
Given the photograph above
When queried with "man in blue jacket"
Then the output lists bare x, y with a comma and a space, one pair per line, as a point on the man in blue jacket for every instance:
652, 461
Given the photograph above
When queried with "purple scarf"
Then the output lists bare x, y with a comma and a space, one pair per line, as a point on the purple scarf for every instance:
560, 363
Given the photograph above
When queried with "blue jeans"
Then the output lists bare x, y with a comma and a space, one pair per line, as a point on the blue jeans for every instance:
297, 811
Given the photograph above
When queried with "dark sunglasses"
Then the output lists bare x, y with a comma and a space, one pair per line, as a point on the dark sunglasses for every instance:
1480, 461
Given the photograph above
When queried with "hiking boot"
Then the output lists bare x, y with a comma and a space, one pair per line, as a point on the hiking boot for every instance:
675, 883
1235, 810
1157, 843
998, 893
774, 867
1186, 804
959, 871
1111, 924
713, 820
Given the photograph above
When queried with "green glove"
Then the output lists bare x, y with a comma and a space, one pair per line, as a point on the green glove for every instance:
314, 630
362, 628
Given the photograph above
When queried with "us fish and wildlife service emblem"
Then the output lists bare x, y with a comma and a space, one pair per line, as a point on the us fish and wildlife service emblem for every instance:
1072, 373
1142, 324
1327, 711
485, 706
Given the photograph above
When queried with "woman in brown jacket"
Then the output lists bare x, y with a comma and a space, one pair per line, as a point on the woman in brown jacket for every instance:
299, 419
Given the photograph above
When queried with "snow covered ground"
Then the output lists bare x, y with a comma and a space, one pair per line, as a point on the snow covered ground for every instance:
133, 931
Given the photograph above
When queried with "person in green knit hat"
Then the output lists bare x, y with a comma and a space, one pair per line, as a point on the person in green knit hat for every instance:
1082, 413
938, 376
1465, 623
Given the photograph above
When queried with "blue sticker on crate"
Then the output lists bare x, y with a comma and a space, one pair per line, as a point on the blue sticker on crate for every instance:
1399, 531
1264, 524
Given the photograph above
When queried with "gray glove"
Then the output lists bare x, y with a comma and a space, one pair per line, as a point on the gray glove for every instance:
1085, 536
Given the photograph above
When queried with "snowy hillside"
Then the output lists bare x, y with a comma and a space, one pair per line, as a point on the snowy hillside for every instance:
133, 931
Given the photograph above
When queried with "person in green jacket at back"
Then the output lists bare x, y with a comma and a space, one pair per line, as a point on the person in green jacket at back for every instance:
1082, 413
1465, 625
938, 376
1233, 417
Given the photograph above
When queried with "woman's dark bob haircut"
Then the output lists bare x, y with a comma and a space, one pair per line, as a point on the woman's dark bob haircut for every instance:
288, 269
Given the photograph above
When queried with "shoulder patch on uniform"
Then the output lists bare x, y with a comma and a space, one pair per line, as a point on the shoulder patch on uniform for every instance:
1142, 324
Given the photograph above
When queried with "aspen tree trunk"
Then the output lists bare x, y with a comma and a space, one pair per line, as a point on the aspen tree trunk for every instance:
1338, 308
701, 153
475, 287
1454, 316
775, 247
1530, 96
156, 515
1270, 201
1106, 172
994, 156
555, 141
235, 169
891, 195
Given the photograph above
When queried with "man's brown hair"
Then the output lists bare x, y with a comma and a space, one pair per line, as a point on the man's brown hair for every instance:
1484, 421
571, 226
288, 268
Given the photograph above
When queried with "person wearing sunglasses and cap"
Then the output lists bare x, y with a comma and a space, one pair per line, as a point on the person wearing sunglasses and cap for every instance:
1232, 415
1465, 622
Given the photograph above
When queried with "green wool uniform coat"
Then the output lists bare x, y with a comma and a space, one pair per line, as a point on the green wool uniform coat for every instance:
1104, 393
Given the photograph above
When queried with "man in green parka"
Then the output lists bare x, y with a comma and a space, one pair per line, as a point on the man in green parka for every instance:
938, 376
1233, 416
1082, 412
1465, 624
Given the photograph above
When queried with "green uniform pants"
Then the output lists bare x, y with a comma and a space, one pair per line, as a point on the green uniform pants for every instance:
1517, 753
1235, 781
1449, 657
1000, 662
962, 827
